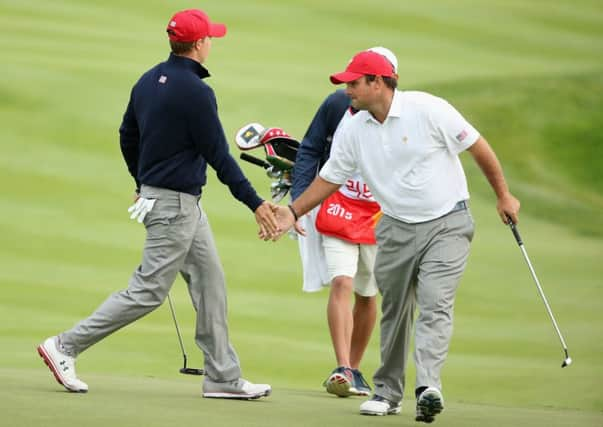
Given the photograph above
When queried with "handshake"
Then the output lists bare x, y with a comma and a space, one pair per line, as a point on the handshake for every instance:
280, 150
274, 221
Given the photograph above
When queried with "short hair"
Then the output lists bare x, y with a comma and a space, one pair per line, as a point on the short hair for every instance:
178, 48
390, 82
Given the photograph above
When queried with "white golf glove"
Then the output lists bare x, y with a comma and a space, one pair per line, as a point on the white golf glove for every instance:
141, 208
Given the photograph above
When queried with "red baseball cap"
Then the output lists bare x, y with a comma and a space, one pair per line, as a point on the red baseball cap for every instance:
191, 25
363, 64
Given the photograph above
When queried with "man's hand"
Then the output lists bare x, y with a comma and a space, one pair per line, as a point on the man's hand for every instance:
265, 218
508, 205
286, 216
284, 219
141, 208
299, 229
486, 159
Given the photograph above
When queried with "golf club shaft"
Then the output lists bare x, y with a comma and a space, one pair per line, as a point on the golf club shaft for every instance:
540, 291
546, 303
252, 159
177, 328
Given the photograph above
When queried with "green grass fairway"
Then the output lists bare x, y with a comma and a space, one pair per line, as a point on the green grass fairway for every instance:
527, 74
154, 402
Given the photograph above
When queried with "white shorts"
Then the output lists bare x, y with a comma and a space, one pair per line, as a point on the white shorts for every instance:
352, 260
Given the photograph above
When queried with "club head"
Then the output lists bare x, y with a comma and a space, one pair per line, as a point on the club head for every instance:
278, 191
192, 371
566, 362
274, 173
248, 137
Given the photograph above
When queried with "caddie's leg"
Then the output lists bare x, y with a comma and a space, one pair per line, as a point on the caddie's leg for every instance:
339, 316
204, 275
169, 234
395, 268
365, 316
446, 243
342, 263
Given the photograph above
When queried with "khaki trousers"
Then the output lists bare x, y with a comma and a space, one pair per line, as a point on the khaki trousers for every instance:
418, 265
179, 240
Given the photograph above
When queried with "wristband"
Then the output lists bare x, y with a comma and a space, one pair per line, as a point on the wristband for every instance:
293, 212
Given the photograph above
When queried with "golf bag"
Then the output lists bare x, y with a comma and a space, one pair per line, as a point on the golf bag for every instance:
280, 150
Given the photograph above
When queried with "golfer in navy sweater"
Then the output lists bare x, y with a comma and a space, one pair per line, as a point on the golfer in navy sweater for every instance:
169, 134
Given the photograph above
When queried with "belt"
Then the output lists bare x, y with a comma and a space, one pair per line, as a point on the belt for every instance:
462, 205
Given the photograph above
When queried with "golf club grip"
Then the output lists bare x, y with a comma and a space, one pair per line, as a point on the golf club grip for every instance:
251, 159
514, 230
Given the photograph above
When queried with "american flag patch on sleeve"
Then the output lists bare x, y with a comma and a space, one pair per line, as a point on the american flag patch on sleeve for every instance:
461, 136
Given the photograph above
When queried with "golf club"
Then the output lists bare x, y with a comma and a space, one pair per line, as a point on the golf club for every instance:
568, 360
184, 369
252, 159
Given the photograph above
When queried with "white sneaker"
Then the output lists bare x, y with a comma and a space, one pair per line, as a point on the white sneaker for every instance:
238, 389
340, 382
378, 405
429, 404
61, 365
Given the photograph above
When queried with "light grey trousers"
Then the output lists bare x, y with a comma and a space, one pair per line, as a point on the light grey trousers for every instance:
418, 265
179, 239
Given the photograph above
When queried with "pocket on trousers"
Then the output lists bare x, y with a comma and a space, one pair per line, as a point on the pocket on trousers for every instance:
164, 212
460, 223
456, 237
383, 229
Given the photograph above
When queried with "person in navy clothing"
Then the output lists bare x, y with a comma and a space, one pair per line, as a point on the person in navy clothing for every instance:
169, 134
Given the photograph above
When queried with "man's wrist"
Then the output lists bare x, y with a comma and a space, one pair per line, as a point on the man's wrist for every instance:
293, 212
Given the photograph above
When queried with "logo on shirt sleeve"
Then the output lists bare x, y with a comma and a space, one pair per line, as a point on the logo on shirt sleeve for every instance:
461, 136
162, 79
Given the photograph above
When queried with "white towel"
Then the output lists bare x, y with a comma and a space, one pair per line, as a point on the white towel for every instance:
312, 254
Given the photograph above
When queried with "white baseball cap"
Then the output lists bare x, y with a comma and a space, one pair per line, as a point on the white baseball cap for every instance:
388, 54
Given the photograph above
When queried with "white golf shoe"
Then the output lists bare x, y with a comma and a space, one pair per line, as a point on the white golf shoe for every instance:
378, 405
237, 389
429, 404
340, 382
62, 366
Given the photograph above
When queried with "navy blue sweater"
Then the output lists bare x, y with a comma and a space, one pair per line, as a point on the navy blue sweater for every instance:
171, 131
316, 145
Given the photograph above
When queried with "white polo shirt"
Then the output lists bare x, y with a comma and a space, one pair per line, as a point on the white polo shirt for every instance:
410, 161
354, 187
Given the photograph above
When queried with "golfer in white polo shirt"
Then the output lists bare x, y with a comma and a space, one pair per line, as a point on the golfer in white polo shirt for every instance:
406, 145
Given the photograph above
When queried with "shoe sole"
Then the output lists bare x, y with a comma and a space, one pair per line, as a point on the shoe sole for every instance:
53, 369
430, 406
339, 385
357, 392
379, 414
237, 396
389, 411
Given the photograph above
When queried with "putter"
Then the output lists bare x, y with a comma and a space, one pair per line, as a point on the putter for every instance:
568, 360
184, 369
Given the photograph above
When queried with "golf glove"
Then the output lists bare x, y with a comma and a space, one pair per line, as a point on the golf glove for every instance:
141, 208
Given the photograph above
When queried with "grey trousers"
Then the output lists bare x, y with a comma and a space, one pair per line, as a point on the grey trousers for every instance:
418, 265
179, 239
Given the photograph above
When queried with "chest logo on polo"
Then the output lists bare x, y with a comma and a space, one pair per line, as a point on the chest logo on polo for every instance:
162, 79
404, 140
